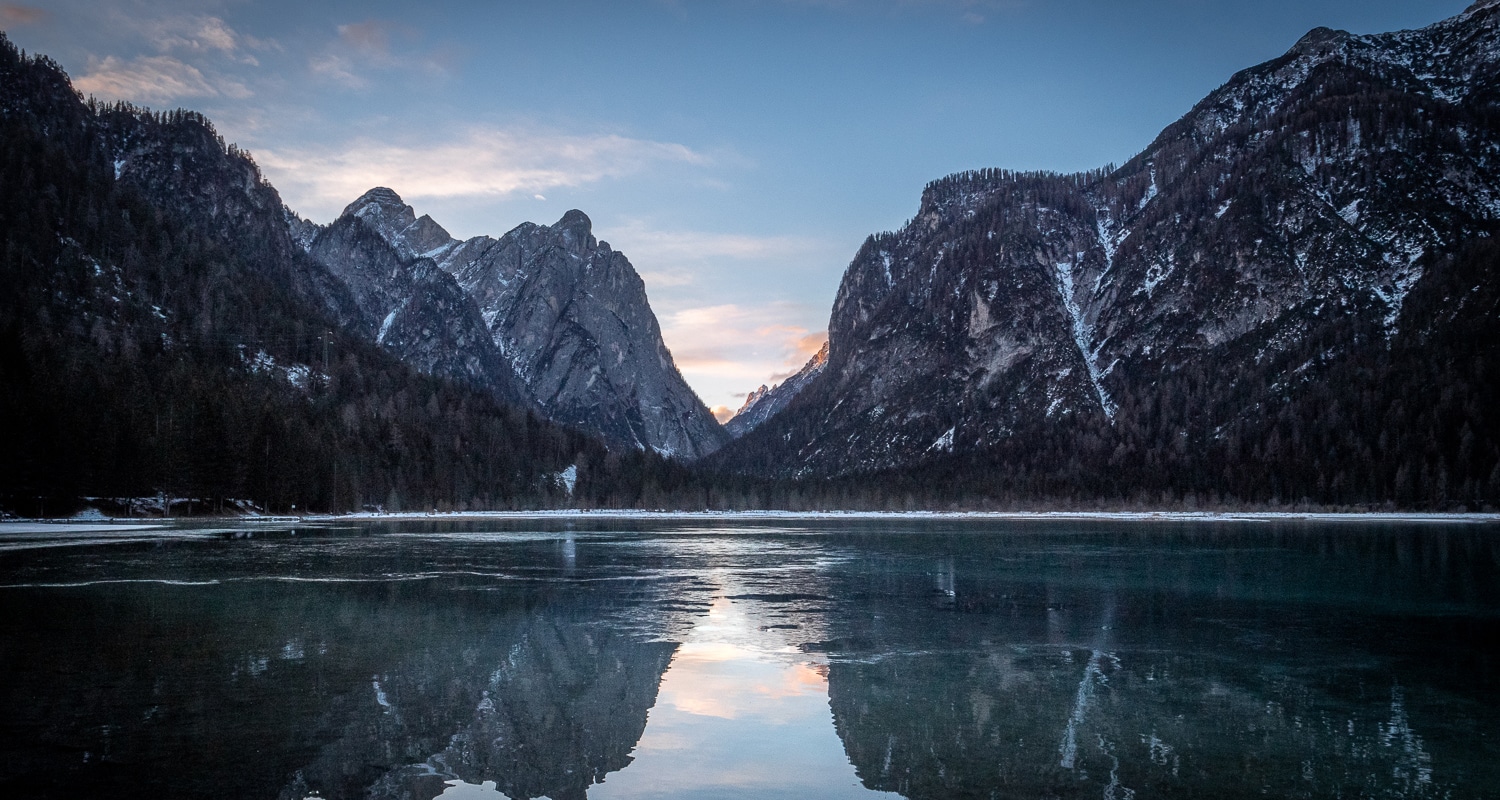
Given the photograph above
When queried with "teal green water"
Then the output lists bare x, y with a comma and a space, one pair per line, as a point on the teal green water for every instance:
739, 659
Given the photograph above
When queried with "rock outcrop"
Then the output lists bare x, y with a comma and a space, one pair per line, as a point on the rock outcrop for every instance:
570, 316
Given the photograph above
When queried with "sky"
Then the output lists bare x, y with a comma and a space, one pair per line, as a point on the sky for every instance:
737, 151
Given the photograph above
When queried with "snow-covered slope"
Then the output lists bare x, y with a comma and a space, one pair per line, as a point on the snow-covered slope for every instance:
1308, 191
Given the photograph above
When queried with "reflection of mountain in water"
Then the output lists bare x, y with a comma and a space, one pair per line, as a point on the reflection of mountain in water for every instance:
561, 709
544, 701
378, 688
1029, 691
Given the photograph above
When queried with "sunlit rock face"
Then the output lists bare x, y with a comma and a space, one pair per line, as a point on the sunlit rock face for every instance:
570, 317
1310, 191
767, 402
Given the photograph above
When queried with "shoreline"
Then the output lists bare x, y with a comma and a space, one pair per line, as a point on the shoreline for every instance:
138, 523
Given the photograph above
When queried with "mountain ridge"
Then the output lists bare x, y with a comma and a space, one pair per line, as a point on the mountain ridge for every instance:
1016, 312
570, 317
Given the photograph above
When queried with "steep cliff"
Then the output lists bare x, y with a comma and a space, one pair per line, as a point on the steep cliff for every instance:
571, 318
1133, 316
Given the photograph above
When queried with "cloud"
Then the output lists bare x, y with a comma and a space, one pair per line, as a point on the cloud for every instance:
193, 34
722, 413
370, 37
678, 257
748, 344
679, 245
21, 15
338, 69
153, 79
361, 48
484, 162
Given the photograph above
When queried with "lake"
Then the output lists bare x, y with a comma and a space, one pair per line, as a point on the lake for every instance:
710, 657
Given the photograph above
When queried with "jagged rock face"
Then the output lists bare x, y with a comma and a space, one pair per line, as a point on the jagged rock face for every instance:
767, 402
411, 307
570, 316
1307, 189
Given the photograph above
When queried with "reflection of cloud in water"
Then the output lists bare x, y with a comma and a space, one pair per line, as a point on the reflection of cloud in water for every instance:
458, 790
730, 682
740, 713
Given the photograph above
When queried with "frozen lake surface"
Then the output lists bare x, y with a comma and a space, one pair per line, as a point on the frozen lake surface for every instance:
731, 657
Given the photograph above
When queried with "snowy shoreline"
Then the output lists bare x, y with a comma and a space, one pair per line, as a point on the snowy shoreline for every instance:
57, 524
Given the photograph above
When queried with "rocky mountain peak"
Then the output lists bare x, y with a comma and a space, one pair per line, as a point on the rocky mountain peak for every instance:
1319, 41
568, 314
577, 230
764, 403
381, 202
754, 397
397, 223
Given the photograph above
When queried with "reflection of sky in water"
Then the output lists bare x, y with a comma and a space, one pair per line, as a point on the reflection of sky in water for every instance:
824, 661
741, 713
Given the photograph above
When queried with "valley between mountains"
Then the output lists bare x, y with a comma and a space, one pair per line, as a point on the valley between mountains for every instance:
1289, 298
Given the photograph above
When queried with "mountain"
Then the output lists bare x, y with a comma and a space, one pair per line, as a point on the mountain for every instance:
163, 331
766, 402
1162, 326
568, 314
412, 308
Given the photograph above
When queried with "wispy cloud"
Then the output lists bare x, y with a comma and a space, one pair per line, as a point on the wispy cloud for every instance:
193, 34
21, 15
740, 345
482, 163
196, 55
362, 48
677, 257
153, 79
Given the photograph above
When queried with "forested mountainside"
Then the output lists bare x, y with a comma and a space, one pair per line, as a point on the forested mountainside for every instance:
1289, 296
161, 331
565, 315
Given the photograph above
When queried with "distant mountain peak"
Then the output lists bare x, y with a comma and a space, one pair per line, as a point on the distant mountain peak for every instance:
379, 196
396, 222
1320, 39
764, 403
577, 229
569, 315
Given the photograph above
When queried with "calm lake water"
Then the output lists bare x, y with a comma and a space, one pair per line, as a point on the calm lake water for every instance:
736, 659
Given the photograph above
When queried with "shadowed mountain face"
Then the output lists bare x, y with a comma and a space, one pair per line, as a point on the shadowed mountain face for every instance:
568, 314
163, 330
1280, 227
347, 671
413, 309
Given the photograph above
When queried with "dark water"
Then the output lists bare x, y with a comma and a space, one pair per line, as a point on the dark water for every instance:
729, 659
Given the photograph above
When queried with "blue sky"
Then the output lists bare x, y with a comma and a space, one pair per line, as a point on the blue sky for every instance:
738, 151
